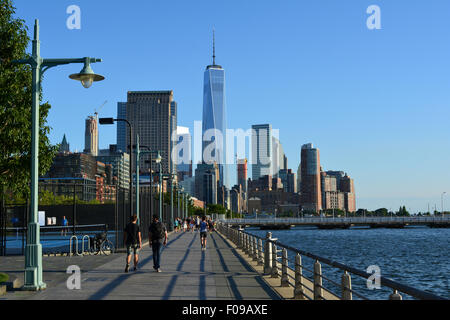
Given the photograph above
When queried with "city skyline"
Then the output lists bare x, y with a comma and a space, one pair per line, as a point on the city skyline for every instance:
384, 105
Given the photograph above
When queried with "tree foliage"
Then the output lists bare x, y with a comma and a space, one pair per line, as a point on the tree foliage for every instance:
15, 107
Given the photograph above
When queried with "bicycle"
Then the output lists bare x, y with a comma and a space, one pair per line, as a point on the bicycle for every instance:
100, 244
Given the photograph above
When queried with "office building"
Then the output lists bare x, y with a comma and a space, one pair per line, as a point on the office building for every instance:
122, 127
262, 151
311, 194
184, 154
120, 162
206, 182
242, 169
91, 136
151, 116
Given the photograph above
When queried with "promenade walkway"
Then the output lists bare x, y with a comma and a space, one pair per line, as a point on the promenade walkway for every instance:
219, 273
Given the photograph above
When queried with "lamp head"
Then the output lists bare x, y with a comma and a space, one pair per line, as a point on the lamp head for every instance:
158, 158
106, 121
87, 75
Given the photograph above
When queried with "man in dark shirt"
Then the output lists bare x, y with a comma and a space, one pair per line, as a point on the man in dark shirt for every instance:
133, 241
158, 237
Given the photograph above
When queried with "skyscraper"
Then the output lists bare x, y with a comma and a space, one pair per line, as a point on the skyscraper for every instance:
122, 127
150, 115
262, 159
184, 154
91, 136
311, 195
214, 119
278, 157
242, 174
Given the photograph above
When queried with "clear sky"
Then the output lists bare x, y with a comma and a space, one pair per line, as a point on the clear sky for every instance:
375, 102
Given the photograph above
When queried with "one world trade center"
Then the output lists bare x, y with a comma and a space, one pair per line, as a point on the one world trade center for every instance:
214, 119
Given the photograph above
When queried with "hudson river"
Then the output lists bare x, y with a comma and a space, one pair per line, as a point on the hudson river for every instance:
414, 256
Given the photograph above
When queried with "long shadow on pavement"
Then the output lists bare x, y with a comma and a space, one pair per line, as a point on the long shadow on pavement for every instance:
100, 294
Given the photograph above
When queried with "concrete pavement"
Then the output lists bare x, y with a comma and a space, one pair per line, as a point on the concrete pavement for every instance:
219, 273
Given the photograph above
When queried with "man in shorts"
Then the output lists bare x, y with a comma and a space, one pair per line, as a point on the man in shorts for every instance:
203, 233
133, 242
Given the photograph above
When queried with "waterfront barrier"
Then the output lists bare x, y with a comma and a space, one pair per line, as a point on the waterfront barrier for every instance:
333, 223
273, 255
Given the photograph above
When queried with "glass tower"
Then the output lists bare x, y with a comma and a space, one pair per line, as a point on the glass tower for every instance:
214, 119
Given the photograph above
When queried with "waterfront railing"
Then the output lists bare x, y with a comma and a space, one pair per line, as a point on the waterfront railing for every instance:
273, 256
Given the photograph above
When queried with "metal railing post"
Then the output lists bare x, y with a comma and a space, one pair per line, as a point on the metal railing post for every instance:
268, 254
318, 291
284, 267
299, 293
274, 273
346, 286
255, 249
395, 296
260, 253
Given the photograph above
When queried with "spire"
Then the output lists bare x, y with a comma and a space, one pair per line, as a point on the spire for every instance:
214, 47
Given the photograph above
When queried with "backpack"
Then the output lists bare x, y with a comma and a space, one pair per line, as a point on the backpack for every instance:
157, 231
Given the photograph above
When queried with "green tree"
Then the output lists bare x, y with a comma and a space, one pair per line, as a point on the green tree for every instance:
15, 108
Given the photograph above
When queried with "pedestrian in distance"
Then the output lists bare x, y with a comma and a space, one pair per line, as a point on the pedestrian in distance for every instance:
65, 224
176, 225
203, 233
197, 223
184, 226
133, 242
210, 225
158, 239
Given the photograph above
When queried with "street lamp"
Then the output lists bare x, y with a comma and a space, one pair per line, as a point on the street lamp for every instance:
170, 177
87, 75
109, 121
158, 160
140, 153
33, 255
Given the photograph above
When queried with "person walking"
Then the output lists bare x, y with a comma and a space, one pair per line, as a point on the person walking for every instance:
158, 238
197, 223
210, 225
176, 225
133, 242
184, 226
203, 233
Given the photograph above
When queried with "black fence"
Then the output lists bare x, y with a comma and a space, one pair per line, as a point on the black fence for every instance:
109, 211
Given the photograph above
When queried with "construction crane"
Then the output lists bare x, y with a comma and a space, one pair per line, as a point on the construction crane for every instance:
99, 108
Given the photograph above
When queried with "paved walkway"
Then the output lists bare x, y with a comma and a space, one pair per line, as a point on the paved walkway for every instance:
219, 273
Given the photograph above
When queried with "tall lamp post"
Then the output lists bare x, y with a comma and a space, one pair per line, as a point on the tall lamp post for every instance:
158, 160
140, 153
33, 280
109, 121
170, 177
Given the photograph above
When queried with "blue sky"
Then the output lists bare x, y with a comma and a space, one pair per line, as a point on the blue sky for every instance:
375, 102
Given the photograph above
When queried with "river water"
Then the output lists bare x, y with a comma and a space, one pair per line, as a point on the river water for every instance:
415, 256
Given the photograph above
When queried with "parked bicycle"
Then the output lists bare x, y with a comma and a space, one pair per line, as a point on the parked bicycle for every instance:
100, 244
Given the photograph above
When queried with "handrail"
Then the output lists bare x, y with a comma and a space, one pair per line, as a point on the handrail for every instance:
59, 227
396, 286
